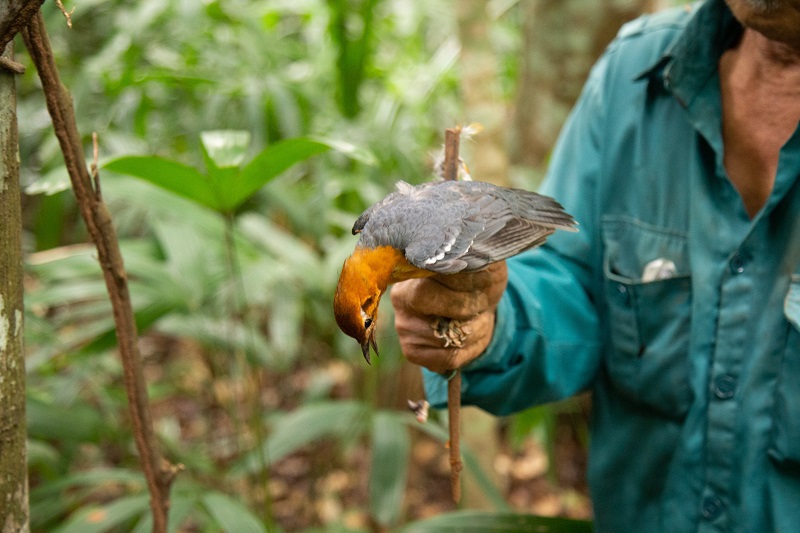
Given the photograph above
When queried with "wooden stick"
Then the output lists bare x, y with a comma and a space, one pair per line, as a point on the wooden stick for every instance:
157, 471
451, 162
452, 139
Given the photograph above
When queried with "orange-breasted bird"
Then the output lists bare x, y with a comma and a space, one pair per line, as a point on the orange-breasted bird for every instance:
441, 227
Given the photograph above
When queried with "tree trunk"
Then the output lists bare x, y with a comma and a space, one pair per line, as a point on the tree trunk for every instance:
13, 466
562, 40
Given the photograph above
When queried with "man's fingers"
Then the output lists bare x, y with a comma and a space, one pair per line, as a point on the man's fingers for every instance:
469, 298
427, 297
492, 276
423, 348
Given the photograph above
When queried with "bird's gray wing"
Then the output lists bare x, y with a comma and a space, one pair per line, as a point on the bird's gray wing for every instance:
451, 227
445, 240
528, 221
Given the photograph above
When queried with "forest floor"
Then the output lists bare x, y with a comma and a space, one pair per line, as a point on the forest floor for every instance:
322, 484
325, 483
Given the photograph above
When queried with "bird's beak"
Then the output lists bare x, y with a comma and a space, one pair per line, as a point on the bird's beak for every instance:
370, 341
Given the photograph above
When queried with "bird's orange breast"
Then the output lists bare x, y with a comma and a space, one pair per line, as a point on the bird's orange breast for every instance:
387, 264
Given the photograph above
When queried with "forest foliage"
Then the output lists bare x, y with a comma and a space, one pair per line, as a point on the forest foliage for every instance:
238, 143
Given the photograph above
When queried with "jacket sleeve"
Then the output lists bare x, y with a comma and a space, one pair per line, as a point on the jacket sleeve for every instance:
547, 342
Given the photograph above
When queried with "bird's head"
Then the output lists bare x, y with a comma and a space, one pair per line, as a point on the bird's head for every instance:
355, 304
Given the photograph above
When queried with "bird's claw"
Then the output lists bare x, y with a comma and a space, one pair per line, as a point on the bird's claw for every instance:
451, 331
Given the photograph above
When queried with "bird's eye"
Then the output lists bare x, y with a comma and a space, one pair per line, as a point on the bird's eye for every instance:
367, 323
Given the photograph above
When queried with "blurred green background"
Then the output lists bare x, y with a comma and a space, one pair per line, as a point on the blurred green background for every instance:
238, 143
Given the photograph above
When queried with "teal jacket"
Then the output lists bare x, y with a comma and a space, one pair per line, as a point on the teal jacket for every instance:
695, 373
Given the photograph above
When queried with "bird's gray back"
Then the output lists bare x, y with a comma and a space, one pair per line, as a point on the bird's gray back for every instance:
454, 226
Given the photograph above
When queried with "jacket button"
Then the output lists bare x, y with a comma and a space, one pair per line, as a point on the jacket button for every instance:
623, 294
724, 387
737, 264
711, 507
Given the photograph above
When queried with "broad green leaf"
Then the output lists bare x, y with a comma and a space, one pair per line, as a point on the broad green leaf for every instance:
225, 148
99, 519
94, 477
269, 163
52, 499
180, 508
144, 318
175, 177
286, 321
230, 515
49, 511
69, 292
219, 332
304, 425
478, 522
42, 455
77, 423
357, 153
280, 244
64, 263
188, 248
54, 181
389, 468
473, 467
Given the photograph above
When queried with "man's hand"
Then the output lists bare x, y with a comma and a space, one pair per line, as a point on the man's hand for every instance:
471, 298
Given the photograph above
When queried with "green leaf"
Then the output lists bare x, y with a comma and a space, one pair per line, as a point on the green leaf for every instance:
389, 469
230, 515
78, 423
473, 467
221, 333
225, 148
357, 153
96, 477
99, 519
175, 177
179, 509
42, 456
144, 318
478, 522
54, 181
304, 425
269, 163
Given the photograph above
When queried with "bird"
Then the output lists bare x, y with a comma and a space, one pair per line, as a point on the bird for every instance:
440, 227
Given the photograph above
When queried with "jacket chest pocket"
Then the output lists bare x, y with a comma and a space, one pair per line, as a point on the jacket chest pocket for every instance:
785, 449
648, 294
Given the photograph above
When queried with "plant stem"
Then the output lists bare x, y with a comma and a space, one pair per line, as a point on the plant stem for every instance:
256, 422
157, 471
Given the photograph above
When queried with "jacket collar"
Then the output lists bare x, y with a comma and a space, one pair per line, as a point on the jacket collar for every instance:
692, 57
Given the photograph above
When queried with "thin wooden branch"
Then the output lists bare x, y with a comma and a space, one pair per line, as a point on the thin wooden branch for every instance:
451, 163
14, 16
11, 65
158, 472
452, 142
67, 14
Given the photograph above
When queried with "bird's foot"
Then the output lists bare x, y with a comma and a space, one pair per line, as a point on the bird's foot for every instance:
451, 331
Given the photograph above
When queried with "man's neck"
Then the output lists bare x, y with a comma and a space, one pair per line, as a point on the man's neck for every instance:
772, 65
760, 84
